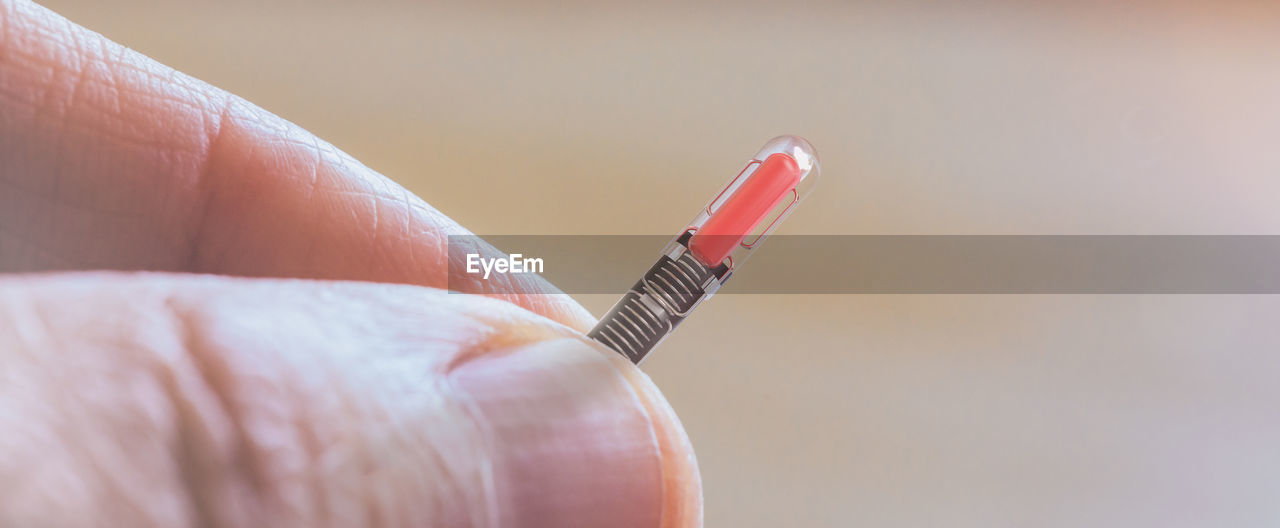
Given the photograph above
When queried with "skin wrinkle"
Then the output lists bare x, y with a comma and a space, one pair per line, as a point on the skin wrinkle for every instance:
314, 450
358, 193
162, 97
81, 66
218, 382
470, 408
315, 170
55, 66
200, 262
63, 118
407, 227
489, 343
311, 426
189, 452
205, 186
95, 458
201, 152
113, 60
377, 212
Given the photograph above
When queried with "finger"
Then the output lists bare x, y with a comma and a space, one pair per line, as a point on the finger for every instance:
113, 161
154, 400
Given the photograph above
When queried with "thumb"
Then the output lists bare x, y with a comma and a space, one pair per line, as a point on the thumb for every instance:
154, 400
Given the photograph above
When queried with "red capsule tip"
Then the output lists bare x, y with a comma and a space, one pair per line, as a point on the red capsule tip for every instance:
741, 214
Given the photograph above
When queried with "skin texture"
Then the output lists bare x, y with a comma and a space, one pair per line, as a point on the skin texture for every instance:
294, 397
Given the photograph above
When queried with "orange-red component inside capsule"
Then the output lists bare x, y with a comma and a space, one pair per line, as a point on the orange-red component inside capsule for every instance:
742, 212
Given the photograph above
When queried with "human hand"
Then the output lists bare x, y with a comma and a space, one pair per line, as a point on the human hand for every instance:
149, 399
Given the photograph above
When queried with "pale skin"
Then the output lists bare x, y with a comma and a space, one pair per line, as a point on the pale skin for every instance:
273, 347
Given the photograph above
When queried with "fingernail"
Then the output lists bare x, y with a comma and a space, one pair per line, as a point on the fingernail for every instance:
572, 442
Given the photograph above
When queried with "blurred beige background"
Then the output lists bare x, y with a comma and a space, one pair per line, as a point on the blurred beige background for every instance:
857, 410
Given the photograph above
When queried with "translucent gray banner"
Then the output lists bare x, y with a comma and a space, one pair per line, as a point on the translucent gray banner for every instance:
929, 264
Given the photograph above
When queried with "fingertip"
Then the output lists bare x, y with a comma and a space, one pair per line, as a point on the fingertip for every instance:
576, 443
682, 482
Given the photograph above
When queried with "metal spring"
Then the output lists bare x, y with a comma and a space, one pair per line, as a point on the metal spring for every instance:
679, 283
632, 329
